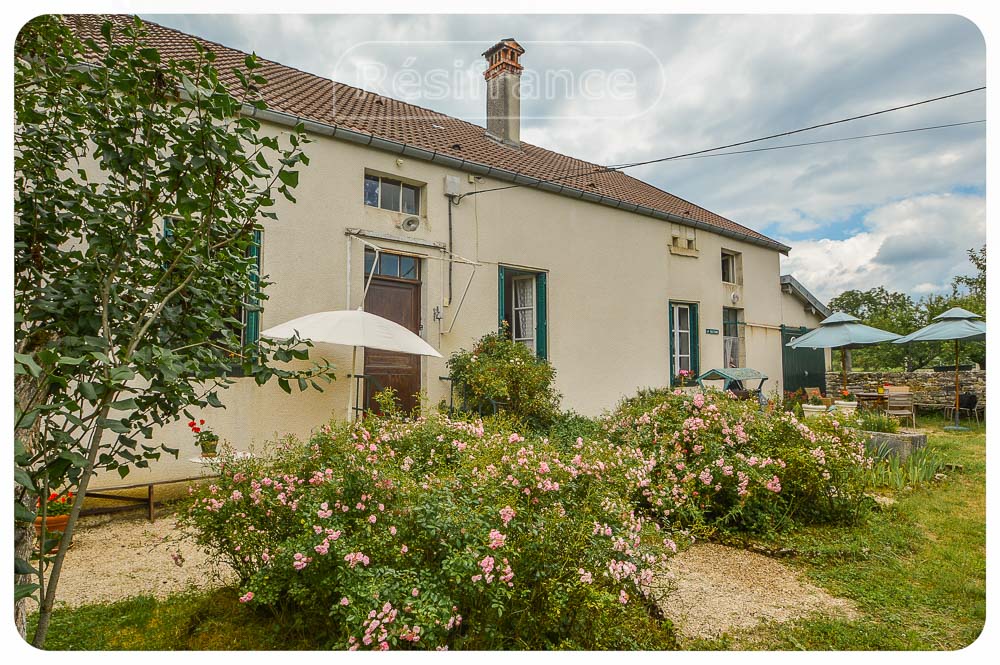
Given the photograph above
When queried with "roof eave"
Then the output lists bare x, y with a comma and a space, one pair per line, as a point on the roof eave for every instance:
405, 149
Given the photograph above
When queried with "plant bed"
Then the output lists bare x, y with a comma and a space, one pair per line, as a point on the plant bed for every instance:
901, 444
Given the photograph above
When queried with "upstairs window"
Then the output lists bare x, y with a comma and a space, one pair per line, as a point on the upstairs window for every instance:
390, 194
732, 268
733, 348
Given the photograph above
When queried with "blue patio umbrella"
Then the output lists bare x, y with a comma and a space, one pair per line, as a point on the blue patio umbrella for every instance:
956, 324
842, 331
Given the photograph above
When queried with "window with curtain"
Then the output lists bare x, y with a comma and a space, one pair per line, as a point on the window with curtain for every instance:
731, 334
522, 300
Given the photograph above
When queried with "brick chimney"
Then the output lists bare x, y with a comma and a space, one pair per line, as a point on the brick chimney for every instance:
503, 91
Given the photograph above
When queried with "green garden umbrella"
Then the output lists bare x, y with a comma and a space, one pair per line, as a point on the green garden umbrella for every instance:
842, 331
956, 324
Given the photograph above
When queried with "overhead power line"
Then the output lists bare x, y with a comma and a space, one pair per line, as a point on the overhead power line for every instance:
843, 138
619, 167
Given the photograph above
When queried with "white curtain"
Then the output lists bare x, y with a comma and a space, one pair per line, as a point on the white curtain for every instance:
731, 351
524, 298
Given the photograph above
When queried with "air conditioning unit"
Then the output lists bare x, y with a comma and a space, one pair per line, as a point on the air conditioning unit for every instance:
410, 224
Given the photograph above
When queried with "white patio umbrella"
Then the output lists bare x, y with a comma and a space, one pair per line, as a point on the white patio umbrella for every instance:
353, 327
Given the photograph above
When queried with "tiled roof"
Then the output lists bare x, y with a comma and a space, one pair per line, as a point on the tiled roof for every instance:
321, 100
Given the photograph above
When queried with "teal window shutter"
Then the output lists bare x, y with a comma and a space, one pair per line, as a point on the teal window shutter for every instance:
541, 317
501, 296
695, 346
673, 372
251, 331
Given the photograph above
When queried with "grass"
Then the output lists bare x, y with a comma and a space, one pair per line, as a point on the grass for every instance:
207, 621
916, 571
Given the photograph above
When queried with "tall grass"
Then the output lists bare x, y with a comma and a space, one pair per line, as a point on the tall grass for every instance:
890, 471
875, 421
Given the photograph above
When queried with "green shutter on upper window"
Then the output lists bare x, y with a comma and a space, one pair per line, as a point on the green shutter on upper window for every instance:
542, 319
670, 330
251, 332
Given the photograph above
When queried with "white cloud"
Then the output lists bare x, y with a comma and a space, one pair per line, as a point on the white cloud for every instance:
915, 245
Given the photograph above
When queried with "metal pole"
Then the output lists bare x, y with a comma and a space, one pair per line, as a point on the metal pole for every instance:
843, 361
353, 382
956, 383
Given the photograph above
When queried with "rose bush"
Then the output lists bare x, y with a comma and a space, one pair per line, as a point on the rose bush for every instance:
721, 463
501, 374
438, 533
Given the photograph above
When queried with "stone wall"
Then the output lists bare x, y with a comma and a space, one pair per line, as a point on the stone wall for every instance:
930, 388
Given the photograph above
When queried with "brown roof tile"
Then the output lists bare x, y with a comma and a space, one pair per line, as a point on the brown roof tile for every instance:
312, 97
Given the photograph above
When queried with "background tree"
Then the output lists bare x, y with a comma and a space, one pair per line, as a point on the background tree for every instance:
899, 313
119, 327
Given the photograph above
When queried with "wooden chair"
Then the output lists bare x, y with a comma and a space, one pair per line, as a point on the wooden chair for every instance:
900, 403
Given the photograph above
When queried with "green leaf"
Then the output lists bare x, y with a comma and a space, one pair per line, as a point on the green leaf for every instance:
22, 478
289, 178
125, 405
213, 399
88, 391
24, 590
28, 363
22, 567
22, 513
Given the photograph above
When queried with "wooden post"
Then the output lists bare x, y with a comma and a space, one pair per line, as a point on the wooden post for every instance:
843, 360
152, 509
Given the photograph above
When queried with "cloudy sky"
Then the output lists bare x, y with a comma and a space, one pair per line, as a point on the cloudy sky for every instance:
898, 211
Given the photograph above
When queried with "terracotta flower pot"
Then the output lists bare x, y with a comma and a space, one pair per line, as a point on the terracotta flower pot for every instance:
53, 523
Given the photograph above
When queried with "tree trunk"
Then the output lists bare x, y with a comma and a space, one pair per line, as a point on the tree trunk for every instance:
28, 396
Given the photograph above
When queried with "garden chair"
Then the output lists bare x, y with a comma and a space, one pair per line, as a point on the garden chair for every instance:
900, 403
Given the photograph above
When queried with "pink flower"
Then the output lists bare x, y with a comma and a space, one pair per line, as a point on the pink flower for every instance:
623, 597
497, 539
247, 597
774, 484
414, 592
345, 602
372, 518
392, 530
507, 514
585, 576
404, 549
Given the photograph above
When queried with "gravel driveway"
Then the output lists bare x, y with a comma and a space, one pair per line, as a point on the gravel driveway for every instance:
116, 557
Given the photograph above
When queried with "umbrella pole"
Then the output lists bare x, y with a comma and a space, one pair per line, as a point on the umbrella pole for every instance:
354, 382
843, 364
956, 384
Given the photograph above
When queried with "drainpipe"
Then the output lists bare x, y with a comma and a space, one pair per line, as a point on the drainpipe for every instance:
451, 247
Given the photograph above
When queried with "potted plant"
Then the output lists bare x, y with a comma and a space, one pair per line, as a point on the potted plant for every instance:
57, 510
683, 376
813, 407
846, 401
205, 438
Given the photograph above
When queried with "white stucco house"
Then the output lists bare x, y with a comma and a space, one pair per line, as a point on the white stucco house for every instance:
618, 283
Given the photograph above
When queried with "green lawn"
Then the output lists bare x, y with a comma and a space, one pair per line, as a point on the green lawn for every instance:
916, 572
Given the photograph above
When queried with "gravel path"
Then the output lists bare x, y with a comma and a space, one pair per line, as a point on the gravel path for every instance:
116, 557
709, 589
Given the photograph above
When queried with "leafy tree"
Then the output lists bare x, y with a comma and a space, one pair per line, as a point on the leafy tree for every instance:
118, 326
892, 311
969, 291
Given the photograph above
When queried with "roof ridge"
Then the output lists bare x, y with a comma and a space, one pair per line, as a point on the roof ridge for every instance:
466, 140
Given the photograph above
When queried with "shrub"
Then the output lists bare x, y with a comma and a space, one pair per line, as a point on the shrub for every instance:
440, 533
874, 421
921, 467
501, 374
720, 463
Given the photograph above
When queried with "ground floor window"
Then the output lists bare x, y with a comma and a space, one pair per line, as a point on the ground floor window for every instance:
733, 347
522, 301
683, 339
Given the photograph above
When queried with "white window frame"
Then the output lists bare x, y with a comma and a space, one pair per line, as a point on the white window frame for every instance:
677, 336
515, 308
730, 258
402, 185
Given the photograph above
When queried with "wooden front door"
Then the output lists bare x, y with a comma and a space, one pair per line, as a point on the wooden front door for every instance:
399, 301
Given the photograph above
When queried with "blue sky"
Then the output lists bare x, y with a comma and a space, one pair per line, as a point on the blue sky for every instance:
897, 211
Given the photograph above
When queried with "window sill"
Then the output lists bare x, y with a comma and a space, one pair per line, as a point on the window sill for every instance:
681, 251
